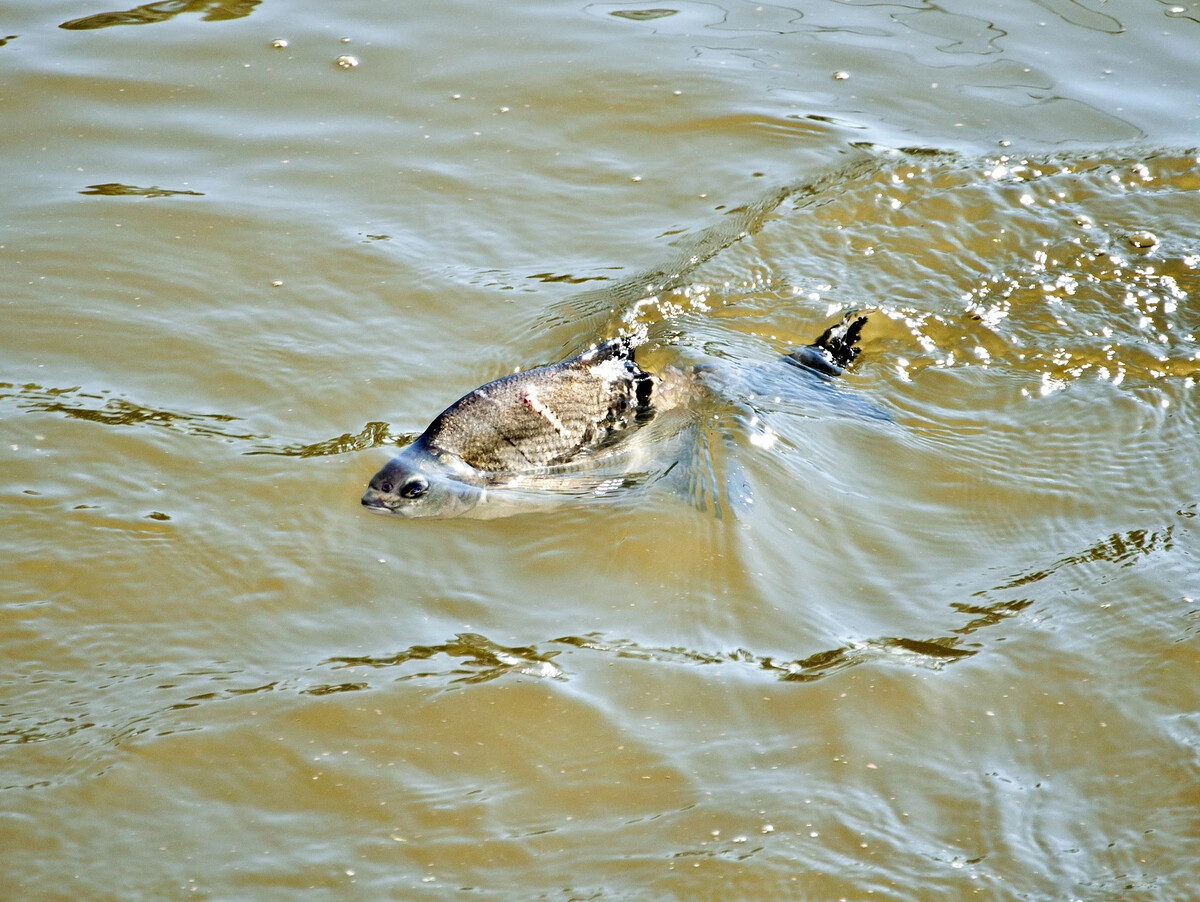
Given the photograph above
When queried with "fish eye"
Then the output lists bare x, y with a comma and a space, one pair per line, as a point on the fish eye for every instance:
414, 488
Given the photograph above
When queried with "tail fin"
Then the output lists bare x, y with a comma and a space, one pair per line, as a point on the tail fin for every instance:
835, 350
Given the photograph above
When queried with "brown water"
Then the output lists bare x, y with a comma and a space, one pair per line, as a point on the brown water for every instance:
948, 653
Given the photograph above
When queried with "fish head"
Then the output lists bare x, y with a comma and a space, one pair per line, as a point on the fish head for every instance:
423, 482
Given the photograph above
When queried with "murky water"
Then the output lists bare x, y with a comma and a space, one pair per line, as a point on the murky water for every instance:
943, 643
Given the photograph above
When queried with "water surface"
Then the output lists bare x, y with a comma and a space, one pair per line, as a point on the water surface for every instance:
949, 652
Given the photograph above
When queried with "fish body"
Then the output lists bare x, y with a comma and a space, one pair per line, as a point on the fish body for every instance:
549, 415
529, 422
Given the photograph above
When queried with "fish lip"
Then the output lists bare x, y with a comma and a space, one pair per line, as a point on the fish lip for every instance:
382, 511
377, 505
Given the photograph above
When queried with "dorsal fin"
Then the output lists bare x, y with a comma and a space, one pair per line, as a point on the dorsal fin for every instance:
619, 348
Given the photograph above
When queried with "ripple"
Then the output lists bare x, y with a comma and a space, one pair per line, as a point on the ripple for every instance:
116, 189
163, 11
100, 407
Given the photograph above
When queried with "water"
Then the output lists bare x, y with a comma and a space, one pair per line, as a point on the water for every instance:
946, 653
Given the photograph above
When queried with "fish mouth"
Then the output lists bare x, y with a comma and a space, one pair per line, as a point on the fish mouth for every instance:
375, 504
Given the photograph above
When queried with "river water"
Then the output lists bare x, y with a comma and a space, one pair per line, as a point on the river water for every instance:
932, 634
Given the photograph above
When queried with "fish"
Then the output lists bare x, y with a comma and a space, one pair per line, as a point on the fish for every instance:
506, 438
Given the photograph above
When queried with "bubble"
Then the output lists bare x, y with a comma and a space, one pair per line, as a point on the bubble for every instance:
346, 62
279, 43
841, 75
